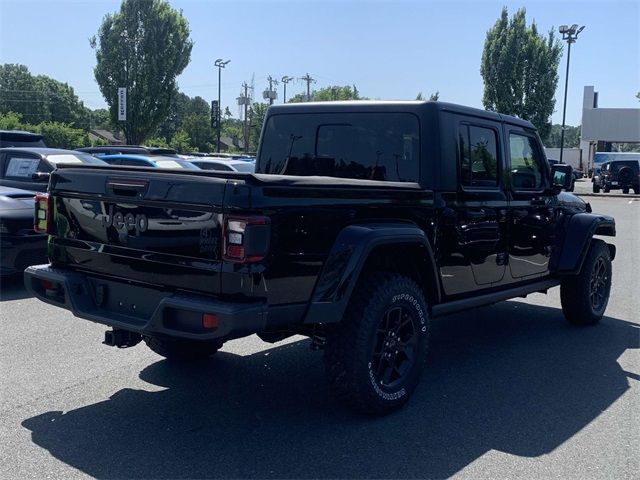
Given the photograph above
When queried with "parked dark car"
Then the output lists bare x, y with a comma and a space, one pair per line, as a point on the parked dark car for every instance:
363, 222
147, 161
224, 165
20, 245
620, 175
20, 138
28, 168
128, 149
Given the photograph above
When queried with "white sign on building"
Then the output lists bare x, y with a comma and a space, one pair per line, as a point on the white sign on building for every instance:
122, 104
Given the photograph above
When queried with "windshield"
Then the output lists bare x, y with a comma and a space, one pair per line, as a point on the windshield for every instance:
75, 158
380, 146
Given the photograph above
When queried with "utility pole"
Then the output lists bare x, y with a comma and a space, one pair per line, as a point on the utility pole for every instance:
217, 121
307, 78
570, 35
244, 100
284, 81
270, 94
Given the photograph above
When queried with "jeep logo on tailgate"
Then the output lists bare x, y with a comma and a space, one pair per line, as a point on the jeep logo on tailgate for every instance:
128, 221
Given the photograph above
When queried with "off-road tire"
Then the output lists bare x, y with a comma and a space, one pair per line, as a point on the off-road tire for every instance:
596, 188
352, 345
178, 349
583, 301
625, 190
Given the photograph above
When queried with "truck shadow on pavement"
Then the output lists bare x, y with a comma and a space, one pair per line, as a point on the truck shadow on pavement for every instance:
12, 288
512, 377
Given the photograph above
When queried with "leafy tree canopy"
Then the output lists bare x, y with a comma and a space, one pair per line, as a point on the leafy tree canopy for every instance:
331, 93
520, 70
143, 47
571, 136
39, 98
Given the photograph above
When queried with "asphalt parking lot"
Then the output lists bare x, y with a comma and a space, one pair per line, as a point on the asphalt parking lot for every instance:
511, 391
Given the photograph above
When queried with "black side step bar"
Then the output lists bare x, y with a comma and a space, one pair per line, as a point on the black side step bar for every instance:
490, 298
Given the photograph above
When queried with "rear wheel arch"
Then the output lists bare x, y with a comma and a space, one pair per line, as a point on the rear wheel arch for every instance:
362, 249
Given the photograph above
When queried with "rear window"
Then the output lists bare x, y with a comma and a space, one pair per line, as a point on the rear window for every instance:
21, 140
380, 146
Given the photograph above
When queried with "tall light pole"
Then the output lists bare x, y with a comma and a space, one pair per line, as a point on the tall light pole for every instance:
285, 80
570, 35
220, 63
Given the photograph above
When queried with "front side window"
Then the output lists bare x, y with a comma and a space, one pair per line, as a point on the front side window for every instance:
478, 150
371, 146
527, 163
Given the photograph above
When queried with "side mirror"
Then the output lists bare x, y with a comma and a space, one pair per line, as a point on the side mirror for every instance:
561, 176
40, 177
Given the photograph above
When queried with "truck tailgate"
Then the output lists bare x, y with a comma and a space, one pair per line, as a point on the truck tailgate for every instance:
153, 227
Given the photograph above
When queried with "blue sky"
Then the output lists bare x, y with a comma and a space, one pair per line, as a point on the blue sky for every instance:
389, 50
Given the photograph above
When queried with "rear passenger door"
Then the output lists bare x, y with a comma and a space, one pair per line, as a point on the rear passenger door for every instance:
532, 219
475, 224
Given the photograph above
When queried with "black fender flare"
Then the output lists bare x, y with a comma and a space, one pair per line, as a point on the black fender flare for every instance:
579, 231
347, 258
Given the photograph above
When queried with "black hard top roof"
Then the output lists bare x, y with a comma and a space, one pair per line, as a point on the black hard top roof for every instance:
414, 106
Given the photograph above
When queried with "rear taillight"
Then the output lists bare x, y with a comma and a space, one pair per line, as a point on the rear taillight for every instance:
246, 239
43, 213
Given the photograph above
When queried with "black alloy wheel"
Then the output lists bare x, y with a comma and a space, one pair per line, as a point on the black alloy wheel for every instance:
394, 352
598, 287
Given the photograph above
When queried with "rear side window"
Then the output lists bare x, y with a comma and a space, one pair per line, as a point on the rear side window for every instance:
22, 167
478, 152
371, 146
527, 163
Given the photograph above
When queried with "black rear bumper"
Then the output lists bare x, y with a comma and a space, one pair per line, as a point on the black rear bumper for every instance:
143, 309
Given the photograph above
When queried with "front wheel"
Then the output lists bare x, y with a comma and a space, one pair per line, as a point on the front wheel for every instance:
625, 191
180, 349
375, 355
596, 188
584, 297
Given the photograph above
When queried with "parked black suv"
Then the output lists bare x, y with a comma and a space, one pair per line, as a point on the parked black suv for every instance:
364, 221
619, 174
20, 138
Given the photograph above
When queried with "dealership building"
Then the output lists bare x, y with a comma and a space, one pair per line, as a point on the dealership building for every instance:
603, 126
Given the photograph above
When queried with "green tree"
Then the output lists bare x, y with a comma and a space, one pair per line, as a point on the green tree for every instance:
432, 98
156, 142
11, 121
39, 98
143, 47
100, 119
520, 70
257, 113
181, 107
61, 135
329, 94
198, 127
181, 142
571, 136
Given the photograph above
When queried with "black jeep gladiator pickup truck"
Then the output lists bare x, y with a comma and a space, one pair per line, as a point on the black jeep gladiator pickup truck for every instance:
363, 222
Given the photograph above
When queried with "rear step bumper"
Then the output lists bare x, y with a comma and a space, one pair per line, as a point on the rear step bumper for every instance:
145, 310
